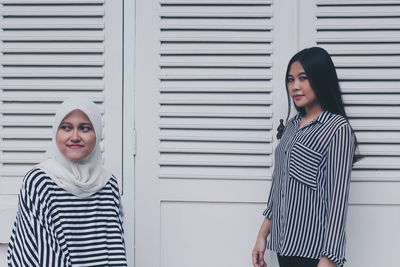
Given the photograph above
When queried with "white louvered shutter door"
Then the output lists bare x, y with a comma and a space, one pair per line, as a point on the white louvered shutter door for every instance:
201, 187
51, 50
363, 37
215, 90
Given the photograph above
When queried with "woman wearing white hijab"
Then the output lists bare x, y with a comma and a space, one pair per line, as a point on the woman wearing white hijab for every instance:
69, 205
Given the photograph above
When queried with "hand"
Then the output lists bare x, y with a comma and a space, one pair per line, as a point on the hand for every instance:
325, 262
258, 253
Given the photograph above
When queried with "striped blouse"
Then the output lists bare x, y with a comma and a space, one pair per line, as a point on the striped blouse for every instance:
56, 228
308, 200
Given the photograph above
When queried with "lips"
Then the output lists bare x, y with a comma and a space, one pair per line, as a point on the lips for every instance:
74, 146
297, 97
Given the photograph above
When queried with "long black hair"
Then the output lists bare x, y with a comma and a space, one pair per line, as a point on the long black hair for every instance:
321, 73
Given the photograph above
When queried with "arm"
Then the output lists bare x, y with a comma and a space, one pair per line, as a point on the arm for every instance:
22, 248
339, 166
259, 247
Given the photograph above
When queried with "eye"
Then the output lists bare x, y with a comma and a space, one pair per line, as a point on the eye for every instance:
289, 79
303, 78
65, 127
85, 128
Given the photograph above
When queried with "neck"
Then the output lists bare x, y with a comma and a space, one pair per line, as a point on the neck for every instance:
312, 112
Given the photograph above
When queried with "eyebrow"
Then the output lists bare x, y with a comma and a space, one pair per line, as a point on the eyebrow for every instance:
301, 73
84, 123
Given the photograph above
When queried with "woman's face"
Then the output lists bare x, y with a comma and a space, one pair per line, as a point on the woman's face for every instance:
299, 87
75, 136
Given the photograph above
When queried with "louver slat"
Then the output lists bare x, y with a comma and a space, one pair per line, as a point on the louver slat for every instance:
215, 91
364, 39
50, 50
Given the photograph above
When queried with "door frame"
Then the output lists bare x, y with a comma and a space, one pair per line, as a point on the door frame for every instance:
128, 134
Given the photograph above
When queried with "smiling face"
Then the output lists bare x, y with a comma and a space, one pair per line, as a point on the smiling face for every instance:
300, 89
75, 136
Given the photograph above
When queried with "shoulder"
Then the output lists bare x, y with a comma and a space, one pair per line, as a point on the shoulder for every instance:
112, 186
37, 183
337, 122
291, 123
110, 192
34, 190
340, 131
34, 178
113, 182
337, 119
294, 118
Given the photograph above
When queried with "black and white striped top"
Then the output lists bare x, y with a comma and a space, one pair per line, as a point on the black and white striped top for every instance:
56, 228
309, 195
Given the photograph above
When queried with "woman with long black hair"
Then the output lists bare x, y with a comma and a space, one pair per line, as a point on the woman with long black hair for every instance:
306, 210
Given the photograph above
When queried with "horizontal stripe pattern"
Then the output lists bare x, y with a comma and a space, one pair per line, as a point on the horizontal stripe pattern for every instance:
309, 195
56, 228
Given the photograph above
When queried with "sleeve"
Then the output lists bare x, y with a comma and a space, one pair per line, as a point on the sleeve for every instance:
268, 210
339, 166
22, 248
118, 202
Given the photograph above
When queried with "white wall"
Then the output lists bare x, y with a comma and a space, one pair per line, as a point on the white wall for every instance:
3, 255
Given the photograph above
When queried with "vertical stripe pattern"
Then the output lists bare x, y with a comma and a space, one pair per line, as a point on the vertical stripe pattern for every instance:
309, 194
56, 228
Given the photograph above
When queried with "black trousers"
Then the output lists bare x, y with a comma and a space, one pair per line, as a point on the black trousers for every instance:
287, 261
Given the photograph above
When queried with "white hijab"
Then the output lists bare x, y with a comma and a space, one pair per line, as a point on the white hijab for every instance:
84, 177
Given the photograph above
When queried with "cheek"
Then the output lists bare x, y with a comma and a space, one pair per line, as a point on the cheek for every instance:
91, 141
312, 94
288, 89
59, 139
308, 89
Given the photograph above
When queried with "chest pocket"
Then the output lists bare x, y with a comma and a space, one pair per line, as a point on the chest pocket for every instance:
304, 164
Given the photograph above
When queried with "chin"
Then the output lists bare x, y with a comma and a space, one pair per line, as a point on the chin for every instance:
75, 157
299, 105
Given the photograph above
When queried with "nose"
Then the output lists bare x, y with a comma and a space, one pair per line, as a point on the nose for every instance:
296, 85
75, 136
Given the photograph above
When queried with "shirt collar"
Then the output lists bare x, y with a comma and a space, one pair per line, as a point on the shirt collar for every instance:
322, 118
297, 118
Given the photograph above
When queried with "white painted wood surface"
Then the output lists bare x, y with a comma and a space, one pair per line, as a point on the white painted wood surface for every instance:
47, 57
191, 209
3, 255
210, 219
212, 103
